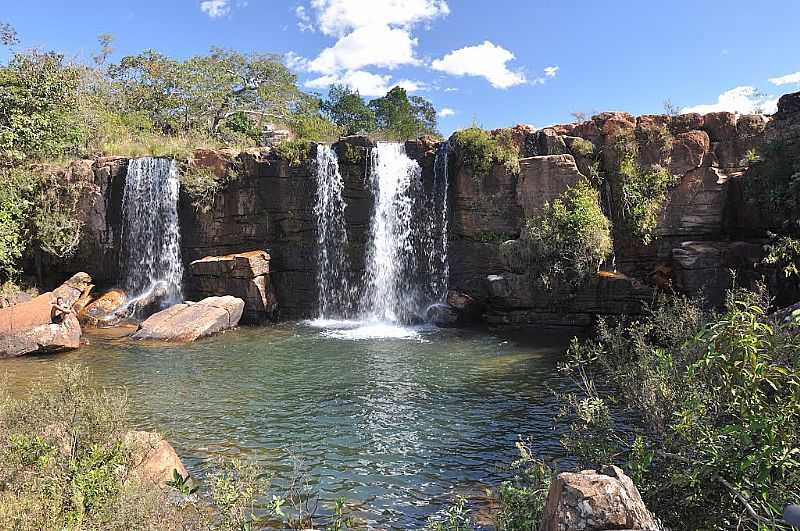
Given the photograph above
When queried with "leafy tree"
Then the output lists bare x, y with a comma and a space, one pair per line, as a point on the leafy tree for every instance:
206, 91
403, 118
8, 35
347, 109
38, 96
106, 41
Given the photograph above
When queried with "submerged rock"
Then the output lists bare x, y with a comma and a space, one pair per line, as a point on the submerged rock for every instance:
595, 501
192, 320
442, 315
27, 327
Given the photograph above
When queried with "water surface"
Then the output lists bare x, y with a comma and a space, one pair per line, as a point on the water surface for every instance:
395, 425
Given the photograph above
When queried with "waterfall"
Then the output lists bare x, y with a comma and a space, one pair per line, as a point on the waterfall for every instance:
150, 252
333, 267
438, 266
388, 293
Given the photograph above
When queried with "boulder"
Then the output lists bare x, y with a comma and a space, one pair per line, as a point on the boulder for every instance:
192, 320
442, 315
548, 142
751, 125
683, 123
788, 104
542, 179
595, 501
217, 161
688, 151
106, 310
243, 275
154, 458
720, 126
27, 327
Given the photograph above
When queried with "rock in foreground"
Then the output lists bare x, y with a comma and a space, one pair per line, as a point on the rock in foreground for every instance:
592, 501
27, 327
192, 320
155, 458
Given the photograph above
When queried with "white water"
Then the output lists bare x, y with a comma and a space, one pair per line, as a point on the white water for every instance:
151, 250
406, 268
390, 293
333, 267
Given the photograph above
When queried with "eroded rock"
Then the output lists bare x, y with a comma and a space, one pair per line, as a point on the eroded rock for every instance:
688, 151
192, 320
154, 457
27, 327
596, 501
543, 179
106, 310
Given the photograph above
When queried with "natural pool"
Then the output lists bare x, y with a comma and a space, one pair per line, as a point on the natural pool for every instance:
395, 420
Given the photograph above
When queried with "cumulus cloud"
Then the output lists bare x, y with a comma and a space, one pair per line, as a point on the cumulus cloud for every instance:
337, 18
445, 112
486, 60
304, 21
788, 79
366, 83
375, 45
744, 100
550, 71
215, 8
295, 61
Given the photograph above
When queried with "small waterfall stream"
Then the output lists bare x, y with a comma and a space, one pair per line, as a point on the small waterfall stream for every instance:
150, 256
333, 267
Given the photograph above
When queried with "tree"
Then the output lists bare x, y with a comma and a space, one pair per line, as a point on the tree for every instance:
347, 109
38, 97
205, 91
402, 118
106, 41
8, 35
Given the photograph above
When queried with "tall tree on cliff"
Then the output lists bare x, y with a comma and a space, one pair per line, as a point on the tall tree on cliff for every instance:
346, 108
401, 117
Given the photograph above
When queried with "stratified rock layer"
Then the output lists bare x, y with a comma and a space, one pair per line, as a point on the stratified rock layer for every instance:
192, 320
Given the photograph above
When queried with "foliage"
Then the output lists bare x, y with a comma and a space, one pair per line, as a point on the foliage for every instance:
64, 461
785, 252
642, 190
582, 147
401, 118
294, 151
56, 223
183, 484
655, 140
571, 238
711, 398
38, 95
234, 488
522, 499
15, 206
456, 517
478, 150
202, 186
347, 110
773, 185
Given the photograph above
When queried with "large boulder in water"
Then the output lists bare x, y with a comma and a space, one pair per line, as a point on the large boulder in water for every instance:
27, 327
192, 320
595, 501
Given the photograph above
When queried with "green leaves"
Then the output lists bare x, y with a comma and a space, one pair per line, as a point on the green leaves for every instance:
185, 485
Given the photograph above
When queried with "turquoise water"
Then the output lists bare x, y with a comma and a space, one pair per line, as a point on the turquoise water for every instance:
396, 426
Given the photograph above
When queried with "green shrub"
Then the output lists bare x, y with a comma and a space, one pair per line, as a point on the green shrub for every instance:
478, 150
455, 517
785, 252
571, 238
582, 147
656, 140
773, 184
16, 204
56, 222
202, 185
714, 401
522, 499
295, 152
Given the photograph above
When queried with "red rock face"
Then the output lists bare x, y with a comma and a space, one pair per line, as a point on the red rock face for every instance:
217, 161
689, 151
720, 126
684, 123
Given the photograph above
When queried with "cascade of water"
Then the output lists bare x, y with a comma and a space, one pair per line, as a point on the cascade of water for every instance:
388, 294
151, 251
438, 266
335, 296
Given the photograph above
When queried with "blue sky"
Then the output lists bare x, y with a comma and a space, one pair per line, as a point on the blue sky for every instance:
495, 63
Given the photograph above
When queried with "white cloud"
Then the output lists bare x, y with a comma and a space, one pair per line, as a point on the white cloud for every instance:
295, 61
451, 89
788, 79
376, 45
550, 71
487, 60
215, 8
304, 21
337, 18
744, 100
366, 83
443, 113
